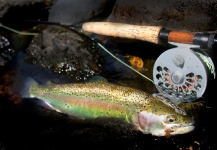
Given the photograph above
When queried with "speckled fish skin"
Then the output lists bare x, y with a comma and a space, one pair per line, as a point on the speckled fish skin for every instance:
104, 99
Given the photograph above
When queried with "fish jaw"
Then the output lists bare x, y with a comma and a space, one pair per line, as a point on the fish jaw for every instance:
180, 129
150, 123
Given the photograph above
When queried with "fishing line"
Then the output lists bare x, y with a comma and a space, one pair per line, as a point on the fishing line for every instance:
100, 45
16, 31
123, 62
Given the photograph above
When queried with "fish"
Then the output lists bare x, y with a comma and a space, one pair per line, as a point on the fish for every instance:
95, 99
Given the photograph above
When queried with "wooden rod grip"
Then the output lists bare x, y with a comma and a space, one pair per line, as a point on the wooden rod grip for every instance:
181, 37
145, 33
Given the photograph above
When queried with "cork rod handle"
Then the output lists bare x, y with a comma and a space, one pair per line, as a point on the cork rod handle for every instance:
181, 37
145, 33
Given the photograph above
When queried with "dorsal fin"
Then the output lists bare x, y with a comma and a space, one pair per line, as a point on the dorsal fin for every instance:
97, 79
49, 83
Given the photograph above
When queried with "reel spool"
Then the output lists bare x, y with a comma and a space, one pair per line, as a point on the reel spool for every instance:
181, 74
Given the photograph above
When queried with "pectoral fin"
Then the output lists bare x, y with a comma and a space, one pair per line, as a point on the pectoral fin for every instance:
170, 103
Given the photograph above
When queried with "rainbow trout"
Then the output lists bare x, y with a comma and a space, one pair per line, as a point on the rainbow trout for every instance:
103, 99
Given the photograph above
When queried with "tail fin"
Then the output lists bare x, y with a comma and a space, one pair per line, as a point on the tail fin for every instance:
27, 74
21, 86
22, 81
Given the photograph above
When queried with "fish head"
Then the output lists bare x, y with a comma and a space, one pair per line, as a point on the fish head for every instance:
163, 124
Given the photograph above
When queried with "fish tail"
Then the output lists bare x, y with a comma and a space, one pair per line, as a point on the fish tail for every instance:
22, 78
21, 86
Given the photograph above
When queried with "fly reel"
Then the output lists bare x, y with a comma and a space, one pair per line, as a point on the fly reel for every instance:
181, 74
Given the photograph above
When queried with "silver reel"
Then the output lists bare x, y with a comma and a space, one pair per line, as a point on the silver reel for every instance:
181, 74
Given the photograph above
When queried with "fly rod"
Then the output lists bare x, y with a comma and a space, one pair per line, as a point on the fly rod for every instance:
154, 34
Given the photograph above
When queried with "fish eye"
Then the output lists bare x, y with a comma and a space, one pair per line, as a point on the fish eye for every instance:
170, 119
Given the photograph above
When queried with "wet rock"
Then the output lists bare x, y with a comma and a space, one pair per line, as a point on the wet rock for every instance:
193, 15
5, 5
65, 52
6, 52
73, 11
12, 14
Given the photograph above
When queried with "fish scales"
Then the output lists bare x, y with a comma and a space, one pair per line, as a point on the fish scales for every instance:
103, 99
110, 93
82, 100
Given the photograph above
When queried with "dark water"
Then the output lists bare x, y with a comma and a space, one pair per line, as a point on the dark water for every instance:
28, 126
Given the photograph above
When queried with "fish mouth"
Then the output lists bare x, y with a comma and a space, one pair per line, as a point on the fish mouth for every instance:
181, 129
